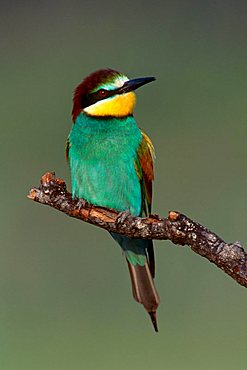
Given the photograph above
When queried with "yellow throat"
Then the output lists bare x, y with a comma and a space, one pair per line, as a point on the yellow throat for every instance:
117, 106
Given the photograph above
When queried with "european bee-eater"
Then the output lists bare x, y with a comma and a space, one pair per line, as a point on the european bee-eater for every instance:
111, 164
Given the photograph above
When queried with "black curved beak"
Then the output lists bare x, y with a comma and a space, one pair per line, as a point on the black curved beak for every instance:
134, 84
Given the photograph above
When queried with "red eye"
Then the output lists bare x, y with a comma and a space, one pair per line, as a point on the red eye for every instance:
102, 93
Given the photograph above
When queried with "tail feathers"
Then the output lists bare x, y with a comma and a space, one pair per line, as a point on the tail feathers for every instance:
144, 290
139, 254
153, 318
151, 258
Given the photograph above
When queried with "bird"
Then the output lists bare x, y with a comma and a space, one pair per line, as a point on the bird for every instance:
111, 165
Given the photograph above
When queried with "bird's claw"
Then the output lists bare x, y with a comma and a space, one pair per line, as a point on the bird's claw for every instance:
82, 203
122, 217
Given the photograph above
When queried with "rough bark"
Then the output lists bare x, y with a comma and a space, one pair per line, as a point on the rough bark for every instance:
178, 228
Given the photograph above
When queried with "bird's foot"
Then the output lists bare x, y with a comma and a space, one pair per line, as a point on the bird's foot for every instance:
122, 217
82, 203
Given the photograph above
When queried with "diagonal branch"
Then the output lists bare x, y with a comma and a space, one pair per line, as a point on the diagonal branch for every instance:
177, 228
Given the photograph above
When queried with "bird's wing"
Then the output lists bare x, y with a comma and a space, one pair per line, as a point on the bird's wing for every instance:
67, 147
145, 172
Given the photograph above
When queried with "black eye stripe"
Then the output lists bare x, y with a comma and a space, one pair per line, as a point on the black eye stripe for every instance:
92, 98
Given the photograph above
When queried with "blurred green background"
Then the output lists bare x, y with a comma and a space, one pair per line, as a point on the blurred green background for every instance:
57, 312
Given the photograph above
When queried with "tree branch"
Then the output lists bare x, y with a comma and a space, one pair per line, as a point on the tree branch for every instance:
177, 228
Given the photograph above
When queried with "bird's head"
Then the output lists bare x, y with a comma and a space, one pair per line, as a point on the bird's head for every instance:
107, 93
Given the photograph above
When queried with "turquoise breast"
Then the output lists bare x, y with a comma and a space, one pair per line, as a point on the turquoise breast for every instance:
102, 159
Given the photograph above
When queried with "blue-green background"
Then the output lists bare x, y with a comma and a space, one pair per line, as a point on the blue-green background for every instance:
64, 287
